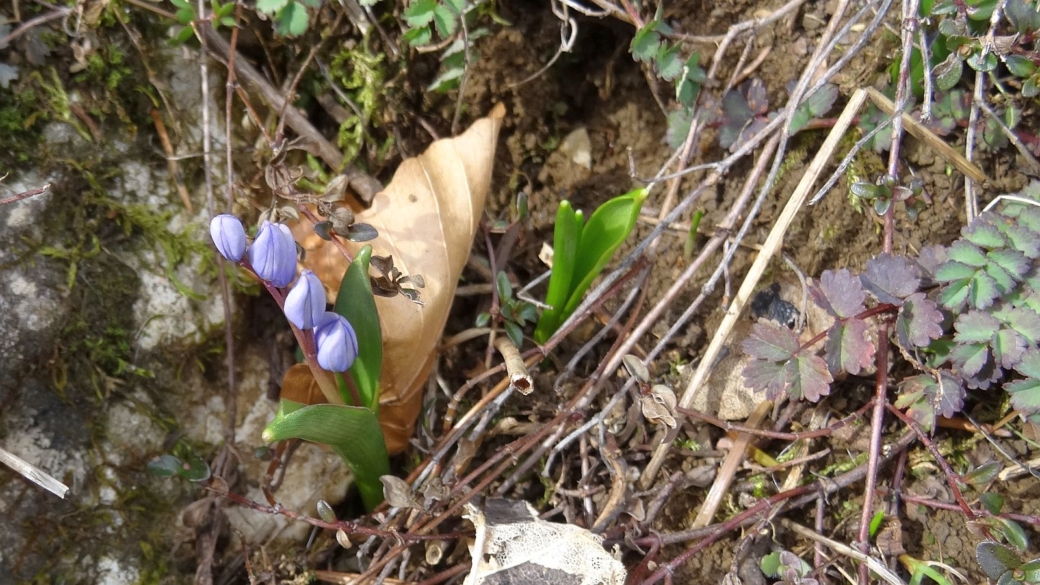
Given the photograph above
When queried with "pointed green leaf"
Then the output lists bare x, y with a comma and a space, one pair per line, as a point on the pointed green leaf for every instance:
607, 228
356, 303
353, 432
566, 234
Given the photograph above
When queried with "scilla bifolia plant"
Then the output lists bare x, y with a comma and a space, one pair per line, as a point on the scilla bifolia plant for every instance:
580, 251
348, 424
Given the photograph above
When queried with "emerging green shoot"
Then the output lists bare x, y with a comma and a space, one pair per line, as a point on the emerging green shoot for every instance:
581, 251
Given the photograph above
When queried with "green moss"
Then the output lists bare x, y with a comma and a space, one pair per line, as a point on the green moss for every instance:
363, 75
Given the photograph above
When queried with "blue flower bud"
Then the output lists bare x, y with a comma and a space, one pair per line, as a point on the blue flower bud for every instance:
305, 303
337, 343
229, 236
273, 254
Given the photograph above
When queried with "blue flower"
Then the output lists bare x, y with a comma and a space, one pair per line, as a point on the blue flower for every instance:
305, 303
337, 343
273, 254
229, 236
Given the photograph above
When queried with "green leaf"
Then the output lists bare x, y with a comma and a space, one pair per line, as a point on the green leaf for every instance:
185, 16
984, 64
183, 4
514, 332
975, 327
875, 523
967, 253
164, 466
607, 228
1014, 533
445, 20
418, 37
646, 42
995, 559
420, 13
356, 303
1020, 66
993, 503
270, 6
227, 21
505, 289
948, 72
983, 474
456, 6
195, 469
771, 564
669, 62
566, 235
292, 20
353, 432
799, 120
183, 36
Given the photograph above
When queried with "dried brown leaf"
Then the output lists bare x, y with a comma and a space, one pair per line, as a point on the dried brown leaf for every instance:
426, 218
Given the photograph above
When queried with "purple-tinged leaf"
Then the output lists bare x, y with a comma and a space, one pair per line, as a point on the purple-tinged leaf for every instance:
970, 359
1029, 217
984, 378
890, 278
1024, 240
930, 259
983, 233
923, 414
811, 381
914, 395
839, 293
975, 327
1029, 365
757, 99
1025, 394
918, 322
848, 348
983, 290
766, 375
1008, 347
965, 252
948, 395
770, 342
1013, 261
1026, 322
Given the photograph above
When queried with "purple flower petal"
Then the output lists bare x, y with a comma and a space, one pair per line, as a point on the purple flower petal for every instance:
229, 236
337, 343
305, 303
273, 254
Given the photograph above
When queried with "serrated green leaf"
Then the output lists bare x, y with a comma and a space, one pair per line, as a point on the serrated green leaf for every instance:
1014, 262
445, 20
975, 327
1024, 394
822, 101
955, 294
984, 234
770, 342
951, 271
1002, 279
456, 6
353, 432
965, 252
970, 358
646, 42
419, 13
356, 303
919, 322
1008, 347
983, 291
1024, 240
669, 62
799, 120
270, 6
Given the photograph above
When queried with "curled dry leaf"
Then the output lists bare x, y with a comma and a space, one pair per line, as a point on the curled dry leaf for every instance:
426, 219
659, 405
